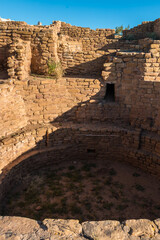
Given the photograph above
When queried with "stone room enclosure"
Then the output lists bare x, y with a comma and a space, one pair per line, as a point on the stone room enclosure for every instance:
105, 106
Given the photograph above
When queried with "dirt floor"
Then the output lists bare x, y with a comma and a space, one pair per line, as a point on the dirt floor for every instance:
86, 191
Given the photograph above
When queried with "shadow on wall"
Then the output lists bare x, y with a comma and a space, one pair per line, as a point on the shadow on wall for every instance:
92, 67
100, 108
78, 142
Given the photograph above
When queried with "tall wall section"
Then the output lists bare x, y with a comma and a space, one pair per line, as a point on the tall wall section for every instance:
136, 76
80, 50
25, 49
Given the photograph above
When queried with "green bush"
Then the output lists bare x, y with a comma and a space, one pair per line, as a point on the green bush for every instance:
55, 69
127, 28
119, 30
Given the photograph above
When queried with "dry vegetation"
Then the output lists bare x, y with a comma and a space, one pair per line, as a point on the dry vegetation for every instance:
86, 192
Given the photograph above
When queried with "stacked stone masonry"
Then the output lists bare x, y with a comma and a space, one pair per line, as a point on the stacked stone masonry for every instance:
144, 30
26, 48
72, 45
48, 117
58, 229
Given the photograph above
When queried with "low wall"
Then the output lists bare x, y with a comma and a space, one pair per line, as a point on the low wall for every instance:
72, 229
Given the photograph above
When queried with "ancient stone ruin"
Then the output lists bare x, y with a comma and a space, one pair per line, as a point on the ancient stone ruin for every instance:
106, 107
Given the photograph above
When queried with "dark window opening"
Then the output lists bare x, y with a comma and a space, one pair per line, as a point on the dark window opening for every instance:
110, 93
91, 150
3, 62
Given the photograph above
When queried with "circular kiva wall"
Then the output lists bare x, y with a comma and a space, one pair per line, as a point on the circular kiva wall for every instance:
41, 113
44, 121
101, 143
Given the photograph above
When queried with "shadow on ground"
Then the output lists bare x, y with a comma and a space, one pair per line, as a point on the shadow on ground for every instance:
83, 189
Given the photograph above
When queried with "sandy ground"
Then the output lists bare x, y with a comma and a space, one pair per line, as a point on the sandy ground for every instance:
86, 191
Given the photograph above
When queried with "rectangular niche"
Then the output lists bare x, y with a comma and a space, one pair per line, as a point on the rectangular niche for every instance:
3, 62
110, 92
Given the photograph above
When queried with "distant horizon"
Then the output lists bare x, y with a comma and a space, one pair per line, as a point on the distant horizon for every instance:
92, 14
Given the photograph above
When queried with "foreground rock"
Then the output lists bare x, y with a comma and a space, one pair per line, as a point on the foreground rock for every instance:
18, 228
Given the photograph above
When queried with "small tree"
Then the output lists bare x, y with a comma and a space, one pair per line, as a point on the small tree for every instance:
120, 29
127, 28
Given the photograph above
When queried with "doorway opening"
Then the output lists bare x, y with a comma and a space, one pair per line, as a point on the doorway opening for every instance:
110, 92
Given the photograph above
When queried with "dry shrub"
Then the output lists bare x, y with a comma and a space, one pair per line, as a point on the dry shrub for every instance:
55, 69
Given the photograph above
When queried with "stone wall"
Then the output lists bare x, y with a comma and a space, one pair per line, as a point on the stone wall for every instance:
136, 79
141, 31
46, 101
19, 60
32, 148
81, 49
44, 47
12, 111
66, 99
28, 48
140, 148
23, 228
80, 32
4, 46
145, 30
3, 61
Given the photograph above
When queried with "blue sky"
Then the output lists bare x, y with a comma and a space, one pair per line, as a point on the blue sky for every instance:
89, 13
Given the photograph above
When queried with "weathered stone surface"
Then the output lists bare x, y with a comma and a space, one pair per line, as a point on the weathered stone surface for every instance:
63, 229
17, 228
20, 228
142, 228
103, 230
